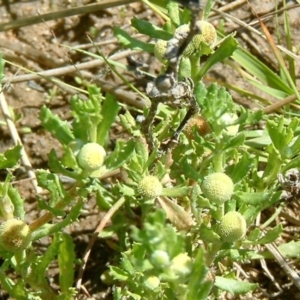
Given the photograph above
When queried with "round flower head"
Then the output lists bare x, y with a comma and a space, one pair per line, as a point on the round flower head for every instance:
182, 265
160, 258
14, 235
149, 187
208, 36
233, 227
217, 187
152, 282
200, 124
91, 156
160, 48
209, 33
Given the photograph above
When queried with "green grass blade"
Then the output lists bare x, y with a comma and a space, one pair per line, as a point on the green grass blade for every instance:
261, 72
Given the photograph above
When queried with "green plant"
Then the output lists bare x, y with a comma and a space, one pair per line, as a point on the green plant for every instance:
218, 188
232, 227
180, 212
14, 235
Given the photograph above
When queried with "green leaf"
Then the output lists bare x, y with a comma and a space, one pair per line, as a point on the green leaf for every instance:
52, 183
198, 287
109, 112
47, 229
290, 250
10, 157
142, 151
208, 235
293, 149
48, 256
236, 141
66, 258
121, 154
271, 235
255, 198
17, 201
175, 192
173, 12
257, 138
254, 235
234, 286
57, 167
226, 49
294, 163
150, 29
272, 168
131, 42
118, 273
242, 168
280, 135
58, 128
104, 199
287, 250
264, 74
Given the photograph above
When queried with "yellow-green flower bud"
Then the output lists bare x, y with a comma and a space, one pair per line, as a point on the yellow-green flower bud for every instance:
160, 259
150, 187
181, 265
152, 282
91, 156
14, 235
160, 50
217, 187
207, 36
232, 227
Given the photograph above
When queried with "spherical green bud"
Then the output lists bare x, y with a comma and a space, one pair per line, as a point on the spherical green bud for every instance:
217, 187
152, 282
233, 227
160, 259
91, 156
160, 50
150, 187
14, 235
181, 265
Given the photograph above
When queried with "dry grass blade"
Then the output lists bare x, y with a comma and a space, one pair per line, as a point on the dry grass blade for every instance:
278, 55
283, 264
63, 13
17, 141
94, 237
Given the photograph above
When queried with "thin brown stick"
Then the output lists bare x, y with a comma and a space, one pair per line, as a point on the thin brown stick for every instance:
277, 105
94, 237
67, 69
